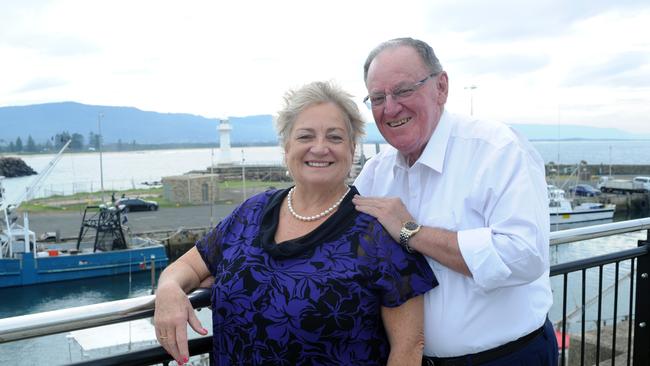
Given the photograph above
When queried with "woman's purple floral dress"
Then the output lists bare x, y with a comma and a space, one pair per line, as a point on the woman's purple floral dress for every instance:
314, 300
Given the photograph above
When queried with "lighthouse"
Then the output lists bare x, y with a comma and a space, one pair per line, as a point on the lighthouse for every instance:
224, 142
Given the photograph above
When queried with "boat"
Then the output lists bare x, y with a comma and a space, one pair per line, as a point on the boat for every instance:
24, 261
565, 211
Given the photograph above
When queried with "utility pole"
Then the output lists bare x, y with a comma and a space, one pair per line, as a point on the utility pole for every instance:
243, 176
99, 145
471, 98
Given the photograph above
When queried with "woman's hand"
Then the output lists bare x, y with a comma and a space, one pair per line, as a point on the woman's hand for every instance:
173, 309
172, 314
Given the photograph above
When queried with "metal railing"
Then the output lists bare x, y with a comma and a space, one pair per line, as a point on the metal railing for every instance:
637, 347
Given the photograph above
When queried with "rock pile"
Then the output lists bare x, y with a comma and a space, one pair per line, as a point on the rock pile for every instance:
14, 167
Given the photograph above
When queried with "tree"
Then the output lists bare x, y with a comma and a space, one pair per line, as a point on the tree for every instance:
94, 140
19, 144
120, 145
12, 146
77, 141
60, 139
31, 146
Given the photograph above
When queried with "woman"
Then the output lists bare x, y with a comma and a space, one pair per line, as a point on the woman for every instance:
300, 276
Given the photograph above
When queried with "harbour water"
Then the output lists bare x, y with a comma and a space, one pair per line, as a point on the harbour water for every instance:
80, 172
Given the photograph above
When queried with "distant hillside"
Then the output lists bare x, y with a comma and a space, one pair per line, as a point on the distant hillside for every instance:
43, 121
573, 132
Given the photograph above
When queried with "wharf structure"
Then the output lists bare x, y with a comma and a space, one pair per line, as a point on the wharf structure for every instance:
216, 183
206, 186
630, 204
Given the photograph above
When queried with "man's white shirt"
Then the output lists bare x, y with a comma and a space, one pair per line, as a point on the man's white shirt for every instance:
487, 183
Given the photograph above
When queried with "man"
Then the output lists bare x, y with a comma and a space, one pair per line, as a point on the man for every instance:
471, 196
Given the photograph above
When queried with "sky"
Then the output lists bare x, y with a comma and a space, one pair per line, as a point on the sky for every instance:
518, 61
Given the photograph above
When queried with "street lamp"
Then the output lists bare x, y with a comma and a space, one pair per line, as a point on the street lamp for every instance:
99, 146
471, 98
243, 175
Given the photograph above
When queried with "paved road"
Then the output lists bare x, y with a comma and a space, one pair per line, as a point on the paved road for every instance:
69, 223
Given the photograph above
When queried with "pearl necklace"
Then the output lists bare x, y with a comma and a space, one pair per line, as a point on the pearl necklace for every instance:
317, 216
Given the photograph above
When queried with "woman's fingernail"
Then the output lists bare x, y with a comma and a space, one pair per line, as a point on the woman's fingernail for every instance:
185, 359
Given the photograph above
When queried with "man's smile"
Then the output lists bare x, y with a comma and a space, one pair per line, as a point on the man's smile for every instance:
398, 122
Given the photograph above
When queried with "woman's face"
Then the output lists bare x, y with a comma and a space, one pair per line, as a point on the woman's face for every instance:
319, 152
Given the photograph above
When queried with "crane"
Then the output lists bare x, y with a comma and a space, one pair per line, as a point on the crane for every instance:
13, 230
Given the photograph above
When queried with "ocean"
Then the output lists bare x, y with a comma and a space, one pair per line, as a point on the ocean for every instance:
80, 172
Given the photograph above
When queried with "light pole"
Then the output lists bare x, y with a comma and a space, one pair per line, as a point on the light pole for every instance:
471, 98
243, 176
610, 161
99, 146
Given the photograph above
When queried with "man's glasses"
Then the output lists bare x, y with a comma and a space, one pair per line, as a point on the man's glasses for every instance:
400, 94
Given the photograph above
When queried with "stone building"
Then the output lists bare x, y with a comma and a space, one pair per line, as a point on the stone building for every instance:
191, 188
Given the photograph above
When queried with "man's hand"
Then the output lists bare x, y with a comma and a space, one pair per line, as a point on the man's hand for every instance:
390, 212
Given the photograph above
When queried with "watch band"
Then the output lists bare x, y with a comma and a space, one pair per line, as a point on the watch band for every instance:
407, 231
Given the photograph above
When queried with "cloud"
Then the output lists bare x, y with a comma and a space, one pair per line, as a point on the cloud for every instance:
627, 69
39, 84
504, 65
52, 45
48, 30
508, 20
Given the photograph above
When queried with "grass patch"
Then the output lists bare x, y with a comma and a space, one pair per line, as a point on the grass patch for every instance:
78, 201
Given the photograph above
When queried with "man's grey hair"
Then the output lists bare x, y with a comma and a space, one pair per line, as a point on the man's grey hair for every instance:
422, 48
319, 92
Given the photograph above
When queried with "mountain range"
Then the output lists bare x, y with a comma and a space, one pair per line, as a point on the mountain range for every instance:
43, 121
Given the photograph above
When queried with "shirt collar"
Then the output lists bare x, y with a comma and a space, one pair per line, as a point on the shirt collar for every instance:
433, 155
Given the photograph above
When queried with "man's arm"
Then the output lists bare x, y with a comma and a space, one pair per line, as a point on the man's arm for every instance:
439, 244
506, 246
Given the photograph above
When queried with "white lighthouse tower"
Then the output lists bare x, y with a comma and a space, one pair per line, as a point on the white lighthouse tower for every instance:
224, 142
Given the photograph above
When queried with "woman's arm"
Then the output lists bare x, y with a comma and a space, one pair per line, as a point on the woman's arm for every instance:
405, 329
173, 309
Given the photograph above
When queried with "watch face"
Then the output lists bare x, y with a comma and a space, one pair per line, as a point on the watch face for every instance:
410, 225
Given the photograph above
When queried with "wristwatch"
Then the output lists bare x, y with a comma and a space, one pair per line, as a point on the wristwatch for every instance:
409, 229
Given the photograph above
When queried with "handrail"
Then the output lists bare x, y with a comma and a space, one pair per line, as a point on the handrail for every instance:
598, 231
88, 316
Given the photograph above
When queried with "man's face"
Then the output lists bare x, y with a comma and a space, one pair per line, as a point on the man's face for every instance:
408, 123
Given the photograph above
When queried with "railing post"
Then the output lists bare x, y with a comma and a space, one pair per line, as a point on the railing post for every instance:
642, 308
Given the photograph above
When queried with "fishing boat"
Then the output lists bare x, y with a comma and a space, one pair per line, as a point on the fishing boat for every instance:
101, 248
565, 211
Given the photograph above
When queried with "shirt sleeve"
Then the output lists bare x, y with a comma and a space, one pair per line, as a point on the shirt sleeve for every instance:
513, 247
211, 245
399, 276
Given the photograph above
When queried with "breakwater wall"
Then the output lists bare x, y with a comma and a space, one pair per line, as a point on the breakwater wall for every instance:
589, 170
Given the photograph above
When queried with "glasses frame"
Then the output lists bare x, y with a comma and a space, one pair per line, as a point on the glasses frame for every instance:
413, 88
